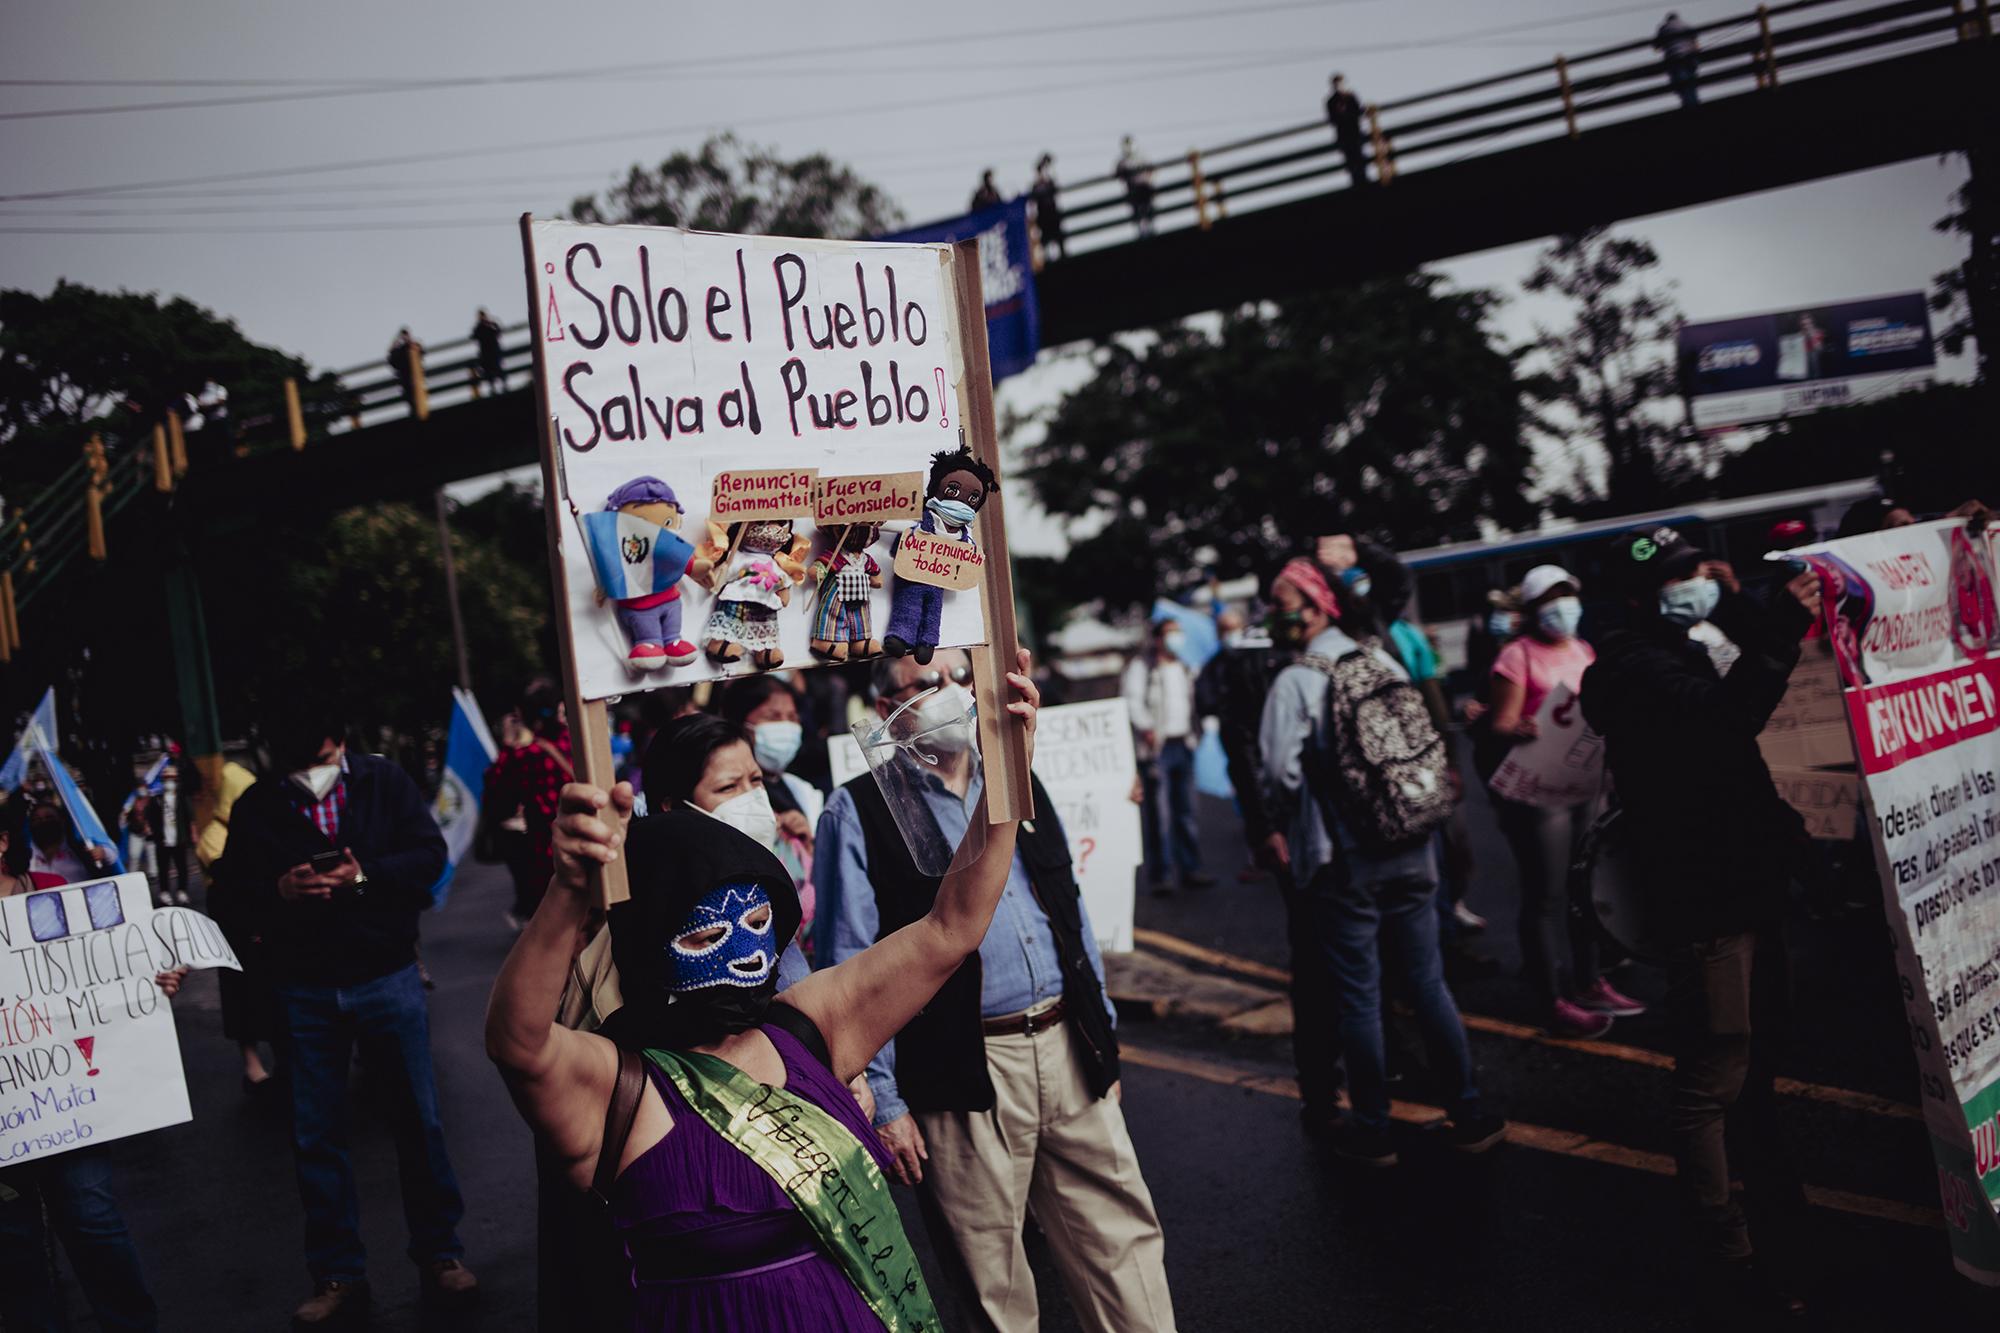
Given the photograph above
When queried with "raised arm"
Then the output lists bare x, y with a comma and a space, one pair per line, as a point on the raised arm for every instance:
862, 1003
559, 1079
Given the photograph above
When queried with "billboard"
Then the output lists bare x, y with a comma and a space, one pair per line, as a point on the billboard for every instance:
1761, 367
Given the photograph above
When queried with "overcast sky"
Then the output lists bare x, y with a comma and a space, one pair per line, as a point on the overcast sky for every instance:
323, 243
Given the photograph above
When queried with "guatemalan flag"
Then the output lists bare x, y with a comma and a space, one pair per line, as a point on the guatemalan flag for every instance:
40, 735
632, 556
467, 752
82, 817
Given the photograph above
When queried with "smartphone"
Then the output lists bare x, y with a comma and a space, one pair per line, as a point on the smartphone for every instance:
325, 863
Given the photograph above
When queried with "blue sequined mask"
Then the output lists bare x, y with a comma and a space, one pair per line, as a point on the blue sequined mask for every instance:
726, 941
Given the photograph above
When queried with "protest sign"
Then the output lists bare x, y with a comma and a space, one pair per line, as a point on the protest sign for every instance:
877, 499
693, 389
1083, 755
1562, 766
1910, 612
88, 1051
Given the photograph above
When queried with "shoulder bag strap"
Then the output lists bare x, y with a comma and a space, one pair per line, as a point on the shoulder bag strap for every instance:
618, 1118
548, 747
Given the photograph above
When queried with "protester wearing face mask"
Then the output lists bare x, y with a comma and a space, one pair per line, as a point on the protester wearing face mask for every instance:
1158, 688
337, 854
1558, 947
1713, 843
719, 1228
1003, 1093
767, 711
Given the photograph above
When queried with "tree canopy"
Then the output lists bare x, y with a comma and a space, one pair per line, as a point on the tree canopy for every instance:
1383, 409
79, 361
727, 185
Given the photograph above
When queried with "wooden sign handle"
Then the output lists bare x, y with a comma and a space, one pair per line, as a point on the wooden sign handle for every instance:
1003, 740
589, 721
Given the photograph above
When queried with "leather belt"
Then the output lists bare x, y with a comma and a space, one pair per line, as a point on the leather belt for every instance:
1027, 1024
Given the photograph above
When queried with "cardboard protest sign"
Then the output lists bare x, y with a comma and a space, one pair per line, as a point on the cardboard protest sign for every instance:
885, 498
702, 393
1084, 757
88, 1051
1911, 615
1562, 766
938, 561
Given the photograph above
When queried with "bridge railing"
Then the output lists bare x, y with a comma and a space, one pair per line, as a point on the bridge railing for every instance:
1565, 96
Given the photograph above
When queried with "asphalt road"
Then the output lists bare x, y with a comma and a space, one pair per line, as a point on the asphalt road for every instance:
1570, 1227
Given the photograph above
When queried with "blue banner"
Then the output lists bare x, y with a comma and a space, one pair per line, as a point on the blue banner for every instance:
467, 752
1006, 272
40, 735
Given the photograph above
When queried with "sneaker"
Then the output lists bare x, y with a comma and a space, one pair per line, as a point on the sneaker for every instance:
1354, 1142
680, 652
1604, 998
1474, 1133
332, 1305
1466, 917
181, 897
448, 1280
1572, 1020
646, 656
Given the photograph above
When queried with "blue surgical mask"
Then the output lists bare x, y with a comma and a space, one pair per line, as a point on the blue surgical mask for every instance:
776, 744
1560, 618
744, 954
953, 512
1500, 624
1689, 602
1357, 580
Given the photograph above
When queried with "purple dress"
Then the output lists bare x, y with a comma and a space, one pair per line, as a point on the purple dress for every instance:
695, 1201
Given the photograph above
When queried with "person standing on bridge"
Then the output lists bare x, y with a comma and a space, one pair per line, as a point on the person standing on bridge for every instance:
486, 333
402, 357
1137, 177
988, 194
1046, 196
1681, 53
1343, 112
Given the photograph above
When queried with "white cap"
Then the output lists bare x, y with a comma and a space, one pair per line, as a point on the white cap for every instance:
1541, 578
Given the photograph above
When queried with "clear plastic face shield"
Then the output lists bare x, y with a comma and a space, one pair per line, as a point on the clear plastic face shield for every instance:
924, 757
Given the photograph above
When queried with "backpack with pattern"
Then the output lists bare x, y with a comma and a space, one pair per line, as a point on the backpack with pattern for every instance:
1389, 779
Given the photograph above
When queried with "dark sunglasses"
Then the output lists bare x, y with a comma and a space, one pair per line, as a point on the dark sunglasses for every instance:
931, 680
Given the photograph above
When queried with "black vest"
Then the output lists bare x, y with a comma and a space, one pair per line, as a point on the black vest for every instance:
941, 1054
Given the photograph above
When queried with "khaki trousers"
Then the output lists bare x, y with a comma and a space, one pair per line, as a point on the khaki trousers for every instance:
1049, 1146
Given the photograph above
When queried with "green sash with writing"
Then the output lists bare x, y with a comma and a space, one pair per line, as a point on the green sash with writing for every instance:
826, 1173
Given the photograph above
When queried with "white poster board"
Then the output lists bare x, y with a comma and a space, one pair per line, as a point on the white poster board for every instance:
1562, 766
1084, 757
1912, 618
88, 1051
745, 373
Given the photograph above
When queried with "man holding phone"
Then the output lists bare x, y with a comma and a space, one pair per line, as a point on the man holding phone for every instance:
339, 853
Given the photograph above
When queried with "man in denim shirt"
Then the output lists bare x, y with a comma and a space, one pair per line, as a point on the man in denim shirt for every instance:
1007, 1095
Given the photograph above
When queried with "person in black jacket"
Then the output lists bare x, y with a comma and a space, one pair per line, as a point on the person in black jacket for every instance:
338, 853
1714, 843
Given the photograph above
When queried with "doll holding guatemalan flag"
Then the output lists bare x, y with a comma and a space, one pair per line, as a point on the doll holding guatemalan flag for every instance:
638, 558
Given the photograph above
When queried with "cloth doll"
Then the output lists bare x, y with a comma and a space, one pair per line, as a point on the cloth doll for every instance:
638, 558
769, 560
845, 575
959, 485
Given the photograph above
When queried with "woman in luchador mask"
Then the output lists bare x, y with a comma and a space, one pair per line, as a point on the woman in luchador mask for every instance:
724, 1227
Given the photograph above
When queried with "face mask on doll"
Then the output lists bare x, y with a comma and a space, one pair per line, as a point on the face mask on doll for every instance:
954, 512
1559, 619
749, 814
1689, 602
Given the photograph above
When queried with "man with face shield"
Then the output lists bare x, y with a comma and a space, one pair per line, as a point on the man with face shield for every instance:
1002, 1095
1713, 843
722, 1227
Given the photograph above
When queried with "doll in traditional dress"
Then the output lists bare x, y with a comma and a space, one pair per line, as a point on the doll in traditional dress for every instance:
751, 587
845, 576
